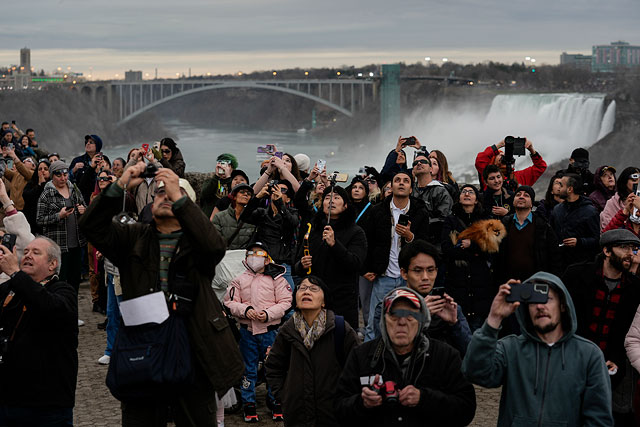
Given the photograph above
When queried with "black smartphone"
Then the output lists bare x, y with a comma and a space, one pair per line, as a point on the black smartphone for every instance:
68, 204
437, 291
529, 292
9, 241
13, 122
409, 141
403, 219
635, 188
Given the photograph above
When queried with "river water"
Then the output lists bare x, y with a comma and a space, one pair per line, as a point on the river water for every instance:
556, 123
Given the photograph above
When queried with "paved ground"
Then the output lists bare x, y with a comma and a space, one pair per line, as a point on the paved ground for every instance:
96, 407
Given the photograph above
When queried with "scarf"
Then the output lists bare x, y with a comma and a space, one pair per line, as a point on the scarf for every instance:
310, 334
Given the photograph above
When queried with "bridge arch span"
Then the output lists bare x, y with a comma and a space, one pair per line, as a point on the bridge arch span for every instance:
230, 85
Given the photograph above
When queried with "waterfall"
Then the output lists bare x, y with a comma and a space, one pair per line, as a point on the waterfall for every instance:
555, 123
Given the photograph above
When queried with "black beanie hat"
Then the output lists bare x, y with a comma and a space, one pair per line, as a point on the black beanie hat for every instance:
527, 189
580, 154
473, 187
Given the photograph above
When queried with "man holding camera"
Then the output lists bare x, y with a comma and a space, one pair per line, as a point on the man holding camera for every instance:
80, 164
549, 375
219, 185
403, 377
176, 254
494, 155
390, 225
606, 297
38, 338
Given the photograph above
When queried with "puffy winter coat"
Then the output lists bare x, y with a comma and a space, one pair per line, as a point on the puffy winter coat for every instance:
226, 223
268, 292
276, 231
577, 219
611, 208
306, 380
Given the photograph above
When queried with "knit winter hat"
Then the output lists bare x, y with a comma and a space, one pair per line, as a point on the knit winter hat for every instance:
229, 158
528, 190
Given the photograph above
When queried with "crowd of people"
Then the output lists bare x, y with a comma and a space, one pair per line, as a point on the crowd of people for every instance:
378, 302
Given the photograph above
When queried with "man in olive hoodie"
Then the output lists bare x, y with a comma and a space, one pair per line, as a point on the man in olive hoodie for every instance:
549, 375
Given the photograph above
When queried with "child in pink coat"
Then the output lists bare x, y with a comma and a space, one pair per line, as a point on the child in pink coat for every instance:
258, 299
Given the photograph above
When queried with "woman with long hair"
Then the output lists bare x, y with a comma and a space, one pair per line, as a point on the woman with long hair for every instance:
624, 186
172, 156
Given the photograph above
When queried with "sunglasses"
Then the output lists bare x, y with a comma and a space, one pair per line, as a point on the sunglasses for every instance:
258, 253
61, 172
224, 162
424, 162
166, 151
105, 178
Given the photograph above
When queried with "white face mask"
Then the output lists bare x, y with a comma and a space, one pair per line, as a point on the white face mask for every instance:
634, 219
255, 263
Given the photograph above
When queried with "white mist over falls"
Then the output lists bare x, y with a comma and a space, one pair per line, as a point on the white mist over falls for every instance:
555, 123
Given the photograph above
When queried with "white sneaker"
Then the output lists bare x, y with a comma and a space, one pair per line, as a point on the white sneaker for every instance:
80, 322
104, 360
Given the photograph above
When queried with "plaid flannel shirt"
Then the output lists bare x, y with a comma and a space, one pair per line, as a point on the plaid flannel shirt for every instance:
49, 205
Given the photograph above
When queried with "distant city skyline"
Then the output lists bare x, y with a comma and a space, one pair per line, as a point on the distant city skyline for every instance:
224, 36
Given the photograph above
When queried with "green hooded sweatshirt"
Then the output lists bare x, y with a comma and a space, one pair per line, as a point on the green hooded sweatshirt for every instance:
566, 384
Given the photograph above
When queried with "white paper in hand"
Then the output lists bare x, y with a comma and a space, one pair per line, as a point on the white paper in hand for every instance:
151, 308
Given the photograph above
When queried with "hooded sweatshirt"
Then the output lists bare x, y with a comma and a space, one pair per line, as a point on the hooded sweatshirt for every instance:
545, 385
433, 367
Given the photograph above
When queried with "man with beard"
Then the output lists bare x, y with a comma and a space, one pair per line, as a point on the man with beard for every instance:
575, 222
549, 375
606, 296
530, 244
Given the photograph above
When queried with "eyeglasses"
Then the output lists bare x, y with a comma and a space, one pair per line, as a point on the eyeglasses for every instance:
166, 151
411, 316
429, 270
418, 162
635, 176
224, 162
312, 288
61, 172
465, 191
244, 192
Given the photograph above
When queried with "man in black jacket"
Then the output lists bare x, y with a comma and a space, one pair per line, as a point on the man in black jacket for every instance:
403, 377
606, 297
38, 339
576, 223
387, 231
530, 244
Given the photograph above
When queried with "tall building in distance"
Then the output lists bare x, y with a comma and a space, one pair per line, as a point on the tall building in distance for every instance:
132, 76
25, 60
607, 58
576, 60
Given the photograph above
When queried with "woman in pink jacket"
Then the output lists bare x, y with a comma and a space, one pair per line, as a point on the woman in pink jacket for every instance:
258, 298
624, 186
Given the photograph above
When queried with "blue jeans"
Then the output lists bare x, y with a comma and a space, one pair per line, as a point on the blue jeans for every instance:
36, 417
253, 347
381, 286
113, 314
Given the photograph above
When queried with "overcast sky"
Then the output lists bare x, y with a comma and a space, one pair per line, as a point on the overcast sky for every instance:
221, 36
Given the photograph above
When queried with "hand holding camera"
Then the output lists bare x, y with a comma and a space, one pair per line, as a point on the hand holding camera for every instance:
370, 395
500, 307
8, 257
171, 183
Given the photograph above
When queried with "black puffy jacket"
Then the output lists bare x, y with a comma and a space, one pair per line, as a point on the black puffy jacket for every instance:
276, 231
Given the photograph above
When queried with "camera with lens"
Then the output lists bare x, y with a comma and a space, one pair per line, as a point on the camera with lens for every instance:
150, 171
513, 147
388, 390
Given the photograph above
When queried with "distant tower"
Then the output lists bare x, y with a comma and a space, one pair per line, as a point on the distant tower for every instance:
25, 60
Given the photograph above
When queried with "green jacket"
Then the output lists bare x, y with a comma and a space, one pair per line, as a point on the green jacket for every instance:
227, 224
566, 384
135, 250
